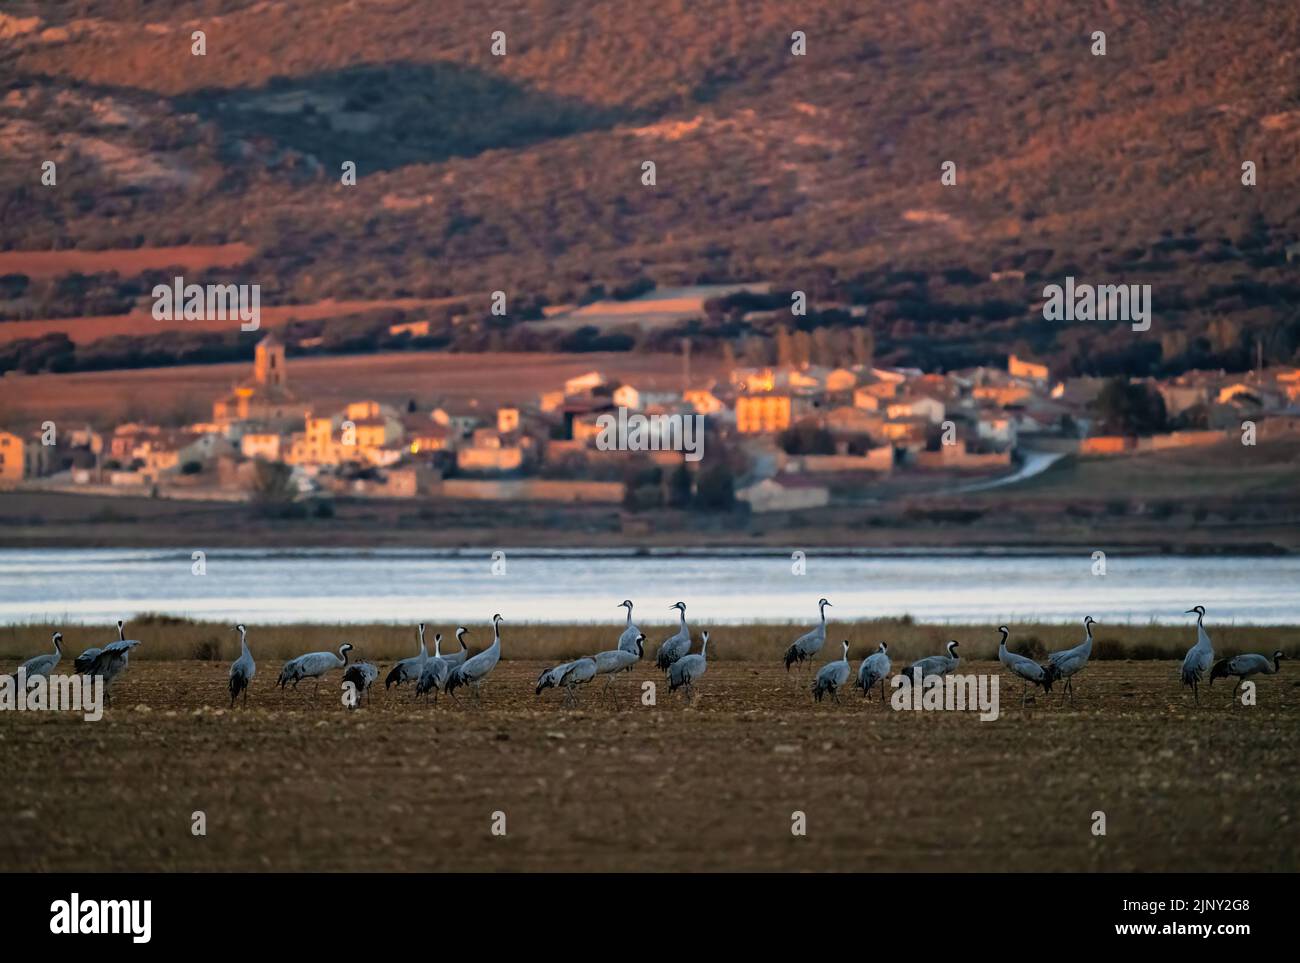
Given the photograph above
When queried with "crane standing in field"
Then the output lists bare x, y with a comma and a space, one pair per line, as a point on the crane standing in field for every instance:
43, 664
83, 662
1199, 657
810, 643
628, 641
409, 668
611, 663
242, 669
832, 676
874, 668
1027, 669
313, 665
550, 678
361, 676
457, 658
579, 672
677, 645
939, 665
1070, 662
1244, 666
687, 670
111, 661
433, 677
475, 671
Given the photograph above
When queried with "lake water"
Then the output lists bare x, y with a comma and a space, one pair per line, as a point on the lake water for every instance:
68, 586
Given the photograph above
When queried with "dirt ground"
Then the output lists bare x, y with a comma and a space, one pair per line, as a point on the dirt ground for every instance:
293, 784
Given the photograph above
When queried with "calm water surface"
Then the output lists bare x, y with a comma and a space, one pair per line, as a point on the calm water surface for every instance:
67, 586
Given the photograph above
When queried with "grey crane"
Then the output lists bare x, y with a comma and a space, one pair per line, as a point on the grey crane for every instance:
611, 663
242, 669
832, 676
456, 658
1067, 663
406, 669
313, 665
112, 662
361, 676
874, 668
83, 662
43, 664
550, 678
1027, 669
939, 665
1199, 657
433, 677
473, 672
676, 645
686, 671
578, 672
1244, 666
810, 643
628, 640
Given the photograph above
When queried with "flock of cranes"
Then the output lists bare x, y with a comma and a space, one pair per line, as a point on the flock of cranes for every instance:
437, 673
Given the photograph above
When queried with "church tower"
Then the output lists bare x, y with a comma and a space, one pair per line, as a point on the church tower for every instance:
268, 364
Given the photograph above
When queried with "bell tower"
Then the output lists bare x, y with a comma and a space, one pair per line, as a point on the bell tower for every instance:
268, 364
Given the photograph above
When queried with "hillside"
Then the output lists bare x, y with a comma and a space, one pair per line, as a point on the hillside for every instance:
821, 172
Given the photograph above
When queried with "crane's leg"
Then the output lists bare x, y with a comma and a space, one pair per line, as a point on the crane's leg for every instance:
1234, 693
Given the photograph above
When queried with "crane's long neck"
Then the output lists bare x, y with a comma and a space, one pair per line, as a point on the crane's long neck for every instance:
681, 614
437, 646
58, 646
704, 649
243, 645
629, 616
823, 614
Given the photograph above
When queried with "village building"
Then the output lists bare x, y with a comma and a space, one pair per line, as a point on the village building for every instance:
265, 397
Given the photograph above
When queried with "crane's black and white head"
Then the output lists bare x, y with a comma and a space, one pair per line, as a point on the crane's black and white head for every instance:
1198, 611
345, 648
884, 646
1088, 620
680, 606
420, 627
952, 647
822, 603
121, 630
1277, 656
846, 648
626, 604
58, 641
461, 632
497, 619
1006, 633
640, 644
240, 628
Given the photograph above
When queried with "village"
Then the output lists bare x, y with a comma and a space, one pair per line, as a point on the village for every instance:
780, 438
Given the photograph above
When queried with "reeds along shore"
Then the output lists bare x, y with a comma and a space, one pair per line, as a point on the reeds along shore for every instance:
167, 638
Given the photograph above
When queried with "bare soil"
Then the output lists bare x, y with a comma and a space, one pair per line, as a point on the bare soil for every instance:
296, 784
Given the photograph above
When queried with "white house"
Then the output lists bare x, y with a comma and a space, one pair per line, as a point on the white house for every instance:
784, 494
